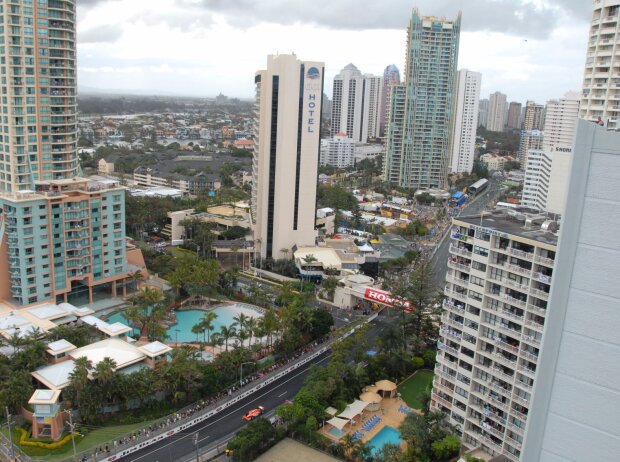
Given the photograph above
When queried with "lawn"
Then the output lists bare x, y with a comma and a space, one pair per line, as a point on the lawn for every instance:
94, 438
411, 388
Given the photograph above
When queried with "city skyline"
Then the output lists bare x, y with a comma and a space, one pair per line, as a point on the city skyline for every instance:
184, 45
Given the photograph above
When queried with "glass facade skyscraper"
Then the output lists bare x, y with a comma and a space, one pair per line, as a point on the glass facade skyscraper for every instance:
420, 109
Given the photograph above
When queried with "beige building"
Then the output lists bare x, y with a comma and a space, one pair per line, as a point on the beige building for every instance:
494, 161
500, 270
288, 98
601, 77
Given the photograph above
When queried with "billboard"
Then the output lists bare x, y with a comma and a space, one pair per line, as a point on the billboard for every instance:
385, 298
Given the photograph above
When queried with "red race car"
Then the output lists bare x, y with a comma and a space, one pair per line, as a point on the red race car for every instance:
254, 413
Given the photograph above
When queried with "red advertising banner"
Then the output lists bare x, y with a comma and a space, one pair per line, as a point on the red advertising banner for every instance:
385, 298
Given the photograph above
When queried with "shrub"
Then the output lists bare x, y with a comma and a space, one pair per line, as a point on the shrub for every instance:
25, 441
417, 362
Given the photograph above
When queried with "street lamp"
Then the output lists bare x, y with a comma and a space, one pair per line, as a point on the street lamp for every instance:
241, 375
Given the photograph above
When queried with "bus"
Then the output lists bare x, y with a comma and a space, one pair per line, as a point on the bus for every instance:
478, 187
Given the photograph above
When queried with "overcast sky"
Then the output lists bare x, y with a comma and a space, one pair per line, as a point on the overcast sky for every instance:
528, 49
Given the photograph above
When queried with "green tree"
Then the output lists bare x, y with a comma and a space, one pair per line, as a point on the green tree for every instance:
226, 333
16, 390
390, 452
258, 436
447, 447
78, 377
147, 311
329, 285
206, 324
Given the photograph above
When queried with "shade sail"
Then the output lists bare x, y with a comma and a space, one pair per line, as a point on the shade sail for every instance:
331, 411
353, 409
338, 422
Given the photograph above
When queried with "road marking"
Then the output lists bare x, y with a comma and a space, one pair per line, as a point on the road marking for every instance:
280, 396
230, 413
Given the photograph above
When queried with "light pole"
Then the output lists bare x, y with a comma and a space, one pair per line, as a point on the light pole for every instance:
196, 444
241, 375
8, 423
72, 428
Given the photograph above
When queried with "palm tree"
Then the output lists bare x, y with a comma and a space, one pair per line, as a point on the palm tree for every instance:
270, 324
15, 341
207, 322
78, 377
135, 278
226, 333
146, 311
104, 374
241, 320
250, 326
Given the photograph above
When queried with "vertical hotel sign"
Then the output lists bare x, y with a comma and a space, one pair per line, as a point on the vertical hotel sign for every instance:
313, 88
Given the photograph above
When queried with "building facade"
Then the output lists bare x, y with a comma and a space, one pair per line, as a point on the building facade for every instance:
356, 104
575, 404
420, 112
601, 77
391, 76
371, 107
285, 169
61, 236
514, 116
483, 112
561, 121
500, 271
529, 140
338, 151
496, 119
465, 121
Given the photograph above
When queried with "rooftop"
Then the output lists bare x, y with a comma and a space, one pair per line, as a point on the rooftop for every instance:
521, 222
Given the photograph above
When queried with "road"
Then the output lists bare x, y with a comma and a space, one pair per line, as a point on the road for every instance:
471, 208
180, 447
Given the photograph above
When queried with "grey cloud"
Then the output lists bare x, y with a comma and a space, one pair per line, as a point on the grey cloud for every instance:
507, 16
99, 34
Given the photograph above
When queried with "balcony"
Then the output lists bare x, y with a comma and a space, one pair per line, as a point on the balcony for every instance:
542, 278
527, 370
498, 403
448, 305
529, 356
535, 325
520, 253
457, 280
441, 400
450, 333
518, 414
458, 266
458, 295
540, 294
544, 260
460, 251
514, 301
504, 360
518, 269
442, 346
513, 442
521, 400
531, 340
537, 309
511, 315
500, 372
514, 285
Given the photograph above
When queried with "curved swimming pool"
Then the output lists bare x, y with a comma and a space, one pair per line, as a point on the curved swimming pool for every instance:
182, 330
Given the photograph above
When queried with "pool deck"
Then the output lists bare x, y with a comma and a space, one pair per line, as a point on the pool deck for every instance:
388, 412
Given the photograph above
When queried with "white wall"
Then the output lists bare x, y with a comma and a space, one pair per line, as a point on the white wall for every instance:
576, 402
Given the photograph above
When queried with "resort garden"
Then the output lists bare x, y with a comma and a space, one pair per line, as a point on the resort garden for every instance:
101, 397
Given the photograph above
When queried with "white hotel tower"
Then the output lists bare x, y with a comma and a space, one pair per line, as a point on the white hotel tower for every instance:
286, 154
499, 276
465, 121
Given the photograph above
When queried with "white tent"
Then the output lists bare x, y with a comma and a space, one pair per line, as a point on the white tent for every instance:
338, 422
331, 411
353, 409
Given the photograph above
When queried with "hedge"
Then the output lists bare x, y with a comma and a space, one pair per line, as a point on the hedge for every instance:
23, 441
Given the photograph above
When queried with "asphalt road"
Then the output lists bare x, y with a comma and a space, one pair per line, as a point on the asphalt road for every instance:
472, 208
180, 447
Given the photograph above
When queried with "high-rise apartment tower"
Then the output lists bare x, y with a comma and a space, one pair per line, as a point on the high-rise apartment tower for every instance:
500, 271
421, 109
514, 116
465, 121
391, 76
601, 79
62, 237
496, 118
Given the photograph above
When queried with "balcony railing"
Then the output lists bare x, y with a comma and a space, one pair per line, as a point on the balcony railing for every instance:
542, 278
518, 269
544, 260
520, 253
441, 400
504, 359
514, 301
537, 309
458, 266
539, 293
459, 251
530, 339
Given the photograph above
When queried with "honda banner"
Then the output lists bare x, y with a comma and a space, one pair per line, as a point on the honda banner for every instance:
386, 299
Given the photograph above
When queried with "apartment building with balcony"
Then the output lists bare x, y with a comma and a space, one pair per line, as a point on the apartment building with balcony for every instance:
601, 79
62, 242
61, 236
499, 276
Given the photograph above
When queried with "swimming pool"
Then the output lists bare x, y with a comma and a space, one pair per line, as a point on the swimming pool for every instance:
386, 435
182, 330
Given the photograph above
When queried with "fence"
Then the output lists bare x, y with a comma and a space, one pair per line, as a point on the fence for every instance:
184, 418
